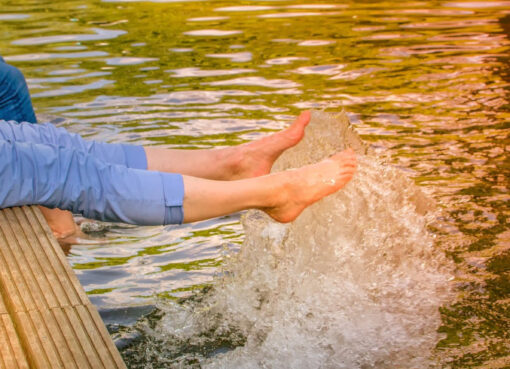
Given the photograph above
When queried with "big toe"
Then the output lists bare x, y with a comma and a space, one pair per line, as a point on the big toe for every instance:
303, 119
297, 130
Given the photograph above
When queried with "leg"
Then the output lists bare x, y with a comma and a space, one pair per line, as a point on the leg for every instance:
15, 104
283, 195
240, 162
73, 180
244, 161
249, 160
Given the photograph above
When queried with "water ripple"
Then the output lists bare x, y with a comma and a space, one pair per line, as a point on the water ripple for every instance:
43, 56
315, 43
128, 60
244, 8
197, 72
285, 60
257, 81
317, 6
478, 4
68, 90
241, 57
100, 34
291, 15
9, 17
212, 32
206, 19
320, 69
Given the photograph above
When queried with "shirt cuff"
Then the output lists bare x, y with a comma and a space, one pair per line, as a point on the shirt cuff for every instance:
135, 156
173, 189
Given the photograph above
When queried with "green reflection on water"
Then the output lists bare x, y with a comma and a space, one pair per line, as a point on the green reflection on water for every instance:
100, 291
114, 261
103, 262
172, 295
193, 265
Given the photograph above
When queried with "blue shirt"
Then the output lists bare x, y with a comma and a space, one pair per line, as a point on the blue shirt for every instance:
44, 165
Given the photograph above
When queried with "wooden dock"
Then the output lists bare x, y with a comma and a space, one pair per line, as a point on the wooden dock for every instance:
47, 320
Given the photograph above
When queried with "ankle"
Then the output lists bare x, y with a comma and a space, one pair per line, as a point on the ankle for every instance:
278, 194
234, 162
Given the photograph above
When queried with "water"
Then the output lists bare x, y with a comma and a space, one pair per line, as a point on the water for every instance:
425, 83
355, 282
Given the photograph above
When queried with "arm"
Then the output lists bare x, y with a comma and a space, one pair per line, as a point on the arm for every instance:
72, 180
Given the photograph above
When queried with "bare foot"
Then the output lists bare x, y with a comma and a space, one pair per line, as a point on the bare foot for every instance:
256, 158
302, 187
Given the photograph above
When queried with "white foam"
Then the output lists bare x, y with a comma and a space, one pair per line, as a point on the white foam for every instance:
355, 282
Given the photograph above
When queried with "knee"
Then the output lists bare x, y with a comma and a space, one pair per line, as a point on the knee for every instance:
15, 100
11, 76
14, 87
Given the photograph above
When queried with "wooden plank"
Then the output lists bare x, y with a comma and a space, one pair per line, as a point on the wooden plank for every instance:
63, 350
45, 339
13, 280
50, 282
46, 318
3, 308
83, 338
25, 259
71, 292
41, 289
34, 351
12, 354
7, 359
7, 286
107, 340
97, 339
63, 270
72, 340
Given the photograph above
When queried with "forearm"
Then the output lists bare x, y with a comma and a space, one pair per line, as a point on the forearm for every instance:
71, 180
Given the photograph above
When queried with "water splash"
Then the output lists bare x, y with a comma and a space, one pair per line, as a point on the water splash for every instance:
354, 282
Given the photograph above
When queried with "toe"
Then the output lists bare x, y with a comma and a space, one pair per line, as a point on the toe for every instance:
304, 118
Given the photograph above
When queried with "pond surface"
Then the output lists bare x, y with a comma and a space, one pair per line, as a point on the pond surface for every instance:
425, 83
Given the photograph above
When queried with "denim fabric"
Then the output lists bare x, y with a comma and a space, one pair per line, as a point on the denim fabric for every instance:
15, 103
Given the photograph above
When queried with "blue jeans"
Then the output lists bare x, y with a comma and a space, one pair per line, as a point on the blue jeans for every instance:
15, 103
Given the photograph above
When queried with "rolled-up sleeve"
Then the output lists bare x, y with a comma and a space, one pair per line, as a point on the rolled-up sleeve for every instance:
131, 156
56, 177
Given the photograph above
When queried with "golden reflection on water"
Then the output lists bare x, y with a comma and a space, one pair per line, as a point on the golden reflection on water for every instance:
426, 83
